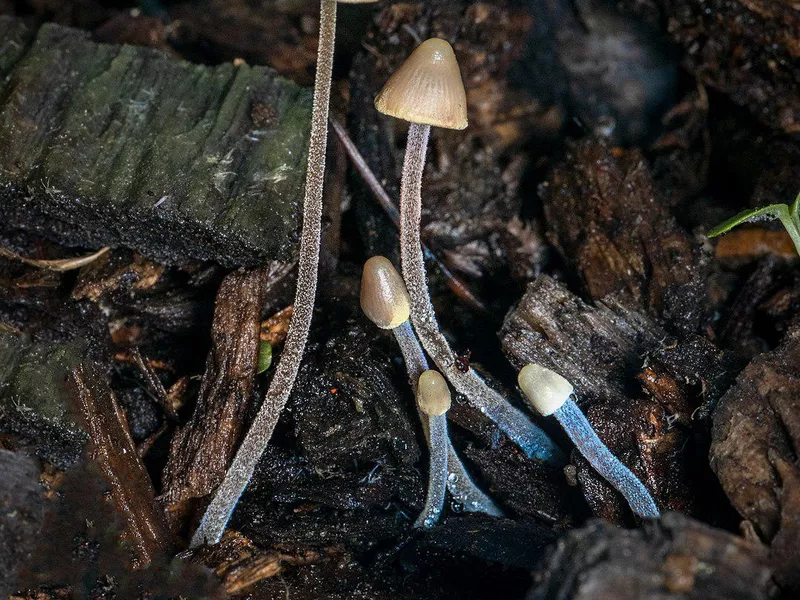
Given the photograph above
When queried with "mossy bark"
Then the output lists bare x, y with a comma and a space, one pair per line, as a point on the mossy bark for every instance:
122, 145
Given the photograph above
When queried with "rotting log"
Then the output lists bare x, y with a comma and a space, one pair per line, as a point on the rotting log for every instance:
121, 145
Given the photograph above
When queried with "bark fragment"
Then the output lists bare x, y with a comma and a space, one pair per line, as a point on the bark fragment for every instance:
122, 145
606, 219
755, 439
202, 449
113, 450
674, 557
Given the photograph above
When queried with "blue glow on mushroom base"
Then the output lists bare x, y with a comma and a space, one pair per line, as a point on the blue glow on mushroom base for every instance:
580, 431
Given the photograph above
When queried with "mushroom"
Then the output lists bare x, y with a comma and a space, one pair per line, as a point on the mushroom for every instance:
550, 394
427, 90
244, 463
433, 400
385, 301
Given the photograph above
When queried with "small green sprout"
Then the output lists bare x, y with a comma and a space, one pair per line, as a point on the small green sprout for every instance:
264, 356
789, 216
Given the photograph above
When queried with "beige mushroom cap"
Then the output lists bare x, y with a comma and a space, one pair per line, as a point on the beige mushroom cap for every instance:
427, 88
546, 390
384, 298
433, 395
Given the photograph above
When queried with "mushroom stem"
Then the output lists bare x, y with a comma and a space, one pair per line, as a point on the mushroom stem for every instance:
513, 422
459, 483
241, 469
438, 443
580, 431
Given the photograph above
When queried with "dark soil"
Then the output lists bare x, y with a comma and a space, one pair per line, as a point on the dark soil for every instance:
565, 226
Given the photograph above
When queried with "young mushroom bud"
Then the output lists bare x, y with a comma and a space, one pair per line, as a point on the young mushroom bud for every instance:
384, 298
545, 389
433, 395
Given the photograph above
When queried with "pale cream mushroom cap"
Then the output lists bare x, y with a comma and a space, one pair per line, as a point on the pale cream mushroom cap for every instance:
546, 390
384, 298
427, 88
433, 395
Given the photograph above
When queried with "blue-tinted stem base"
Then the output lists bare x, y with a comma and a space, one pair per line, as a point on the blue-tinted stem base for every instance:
582, 434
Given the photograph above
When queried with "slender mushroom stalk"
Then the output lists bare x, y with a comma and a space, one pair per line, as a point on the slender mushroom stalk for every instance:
550, 394
244, 463
386, 303
427, 90
433, 400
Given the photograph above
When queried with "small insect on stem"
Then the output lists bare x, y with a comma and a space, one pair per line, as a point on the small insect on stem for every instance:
550, 394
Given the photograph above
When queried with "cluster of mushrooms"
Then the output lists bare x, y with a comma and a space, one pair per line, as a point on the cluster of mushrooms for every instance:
427, 90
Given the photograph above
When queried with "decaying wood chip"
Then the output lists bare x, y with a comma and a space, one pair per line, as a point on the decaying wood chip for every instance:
240, 564
674, 557
112, 448
275, 329
603, 215
201, 450
756, 435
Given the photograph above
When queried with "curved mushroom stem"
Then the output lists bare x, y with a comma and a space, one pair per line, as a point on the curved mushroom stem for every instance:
452, 472
513, 422
582, 434
241, 469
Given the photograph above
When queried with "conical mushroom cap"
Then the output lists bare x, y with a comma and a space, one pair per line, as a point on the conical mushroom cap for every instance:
427, 88
546, 390
384, 298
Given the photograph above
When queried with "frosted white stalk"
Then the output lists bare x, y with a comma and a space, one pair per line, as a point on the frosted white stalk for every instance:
513, 422
244, 463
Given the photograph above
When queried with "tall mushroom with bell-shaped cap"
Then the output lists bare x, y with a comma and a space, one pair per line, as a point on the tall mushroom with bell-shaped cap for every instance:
386, 303
427, 91
241, 469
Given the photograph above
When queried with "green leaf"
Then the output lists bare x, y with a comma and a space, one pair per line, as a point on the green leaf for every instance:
795, 208
264, 356
775, 211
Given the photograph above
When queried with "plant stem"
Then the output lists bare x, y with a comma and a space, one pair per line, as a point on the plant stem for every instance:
790, 219
241, 469
514, 423
459, 483
582, 434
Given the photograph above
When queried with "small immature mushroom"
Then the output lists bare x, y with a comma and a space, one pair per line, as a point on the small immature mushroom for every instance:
433, 395
385, 301
433, 400
427, 90
244, 463
384, 298
550, 394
